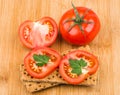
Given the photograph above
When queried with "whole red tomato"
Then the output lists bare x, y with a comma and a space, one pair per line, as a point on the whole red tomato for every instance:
79, 25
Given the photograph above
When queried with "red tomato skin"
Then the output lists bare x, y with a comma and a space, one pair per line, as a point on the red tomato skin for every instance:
22, 25
81, 77
75, 35
49, 68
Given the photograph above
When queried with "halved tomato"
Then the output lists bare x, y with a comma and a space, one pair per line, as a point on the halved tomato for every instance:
77, 65
40, 62
38, 34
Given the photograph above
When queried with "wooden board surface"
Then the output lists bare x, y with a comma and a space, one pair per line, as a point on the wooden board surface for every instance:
106, 44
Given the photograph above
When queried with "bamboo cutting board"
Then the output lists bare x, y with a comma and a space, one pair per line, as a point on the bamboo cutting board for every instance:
106, 44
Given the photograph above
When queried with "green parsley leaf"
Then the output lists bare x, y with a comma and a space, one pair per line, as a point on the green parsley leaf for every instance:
77, 71
82, 62
74, 63
41, 59
77, 65
40, 64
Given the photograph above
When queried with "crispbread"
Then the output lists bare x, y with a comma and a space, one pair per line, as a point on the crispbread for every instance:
55, 76
37, 86
33, 86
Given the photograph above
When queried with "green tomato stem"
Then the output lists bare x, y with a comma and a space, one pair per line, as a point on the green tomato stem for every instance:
77, 20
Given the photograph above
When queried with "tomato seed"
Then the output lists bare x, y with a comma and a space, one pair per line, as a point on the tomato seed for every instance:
53, 58
50, 28
31, 64
25, 37
49, 25
68, 69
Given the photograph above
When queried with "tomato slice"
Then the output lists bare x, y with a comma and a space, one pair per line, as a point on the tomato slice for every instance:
65, 68
38, 71
38, 34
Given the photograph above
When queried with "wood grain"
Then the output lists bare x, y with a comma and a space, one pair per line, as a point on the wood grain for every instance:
106, 45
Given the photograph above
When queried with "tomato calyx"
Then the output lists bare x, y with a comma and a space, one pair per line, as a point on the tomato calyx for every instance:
78, 20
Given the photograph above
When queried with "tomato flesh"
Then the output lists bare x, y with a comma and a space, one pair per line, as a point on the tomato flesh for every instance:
73, 78
45, 70
38, 34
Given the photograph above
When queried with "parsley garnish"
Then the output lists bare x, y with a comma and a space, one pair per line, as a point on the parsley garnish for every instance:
77, 65
41, 59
